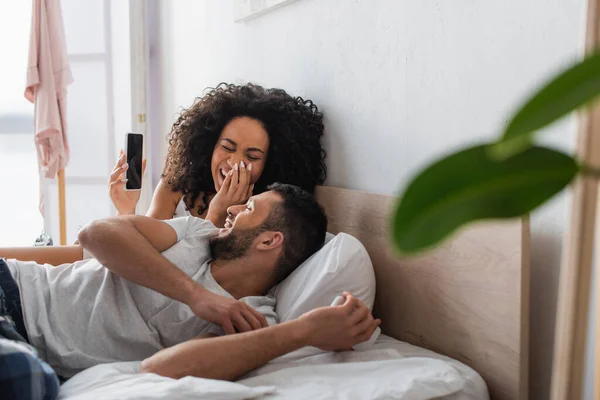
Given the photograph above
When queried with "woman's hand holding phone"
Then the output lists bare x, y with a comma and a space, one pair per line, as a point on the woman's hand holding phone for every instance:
123, 200
236, 189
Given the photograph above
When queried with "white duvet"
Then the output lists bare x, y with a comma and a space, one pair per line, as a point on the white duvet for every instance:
389, 370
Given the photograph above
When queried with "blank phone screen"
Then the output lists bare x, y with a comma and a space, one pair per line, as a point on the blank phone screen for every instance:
135, 144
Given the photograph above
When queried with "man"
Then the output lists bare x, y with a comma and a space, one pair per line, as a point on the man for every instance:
132, 301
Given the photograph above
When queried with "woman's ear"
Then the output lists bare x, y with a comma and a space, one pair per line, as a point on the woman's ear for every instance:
270, 240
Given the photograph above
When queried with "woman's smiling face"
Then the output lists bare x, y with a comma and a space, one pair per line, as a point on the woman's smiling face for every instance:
243, 139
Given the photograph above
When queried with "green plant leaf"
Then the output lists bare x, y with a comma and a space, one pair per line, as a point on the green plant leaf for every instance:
470, 185
568, 91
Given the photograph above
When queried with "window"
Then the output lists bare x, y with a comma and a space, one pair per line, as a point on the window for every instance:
20, 220
97, 107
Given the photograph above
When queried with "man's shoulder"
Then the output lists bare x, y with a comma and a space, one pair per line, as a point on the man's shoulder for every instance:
190, 226
200, 224
193, 225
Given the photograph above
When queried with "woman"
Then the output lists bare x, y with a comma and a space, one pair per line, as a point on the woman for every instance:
232, 142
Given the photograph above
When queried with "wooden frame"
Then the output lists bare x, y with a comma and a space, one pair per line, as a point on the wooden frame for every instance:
469, 299
576, 269
62, 208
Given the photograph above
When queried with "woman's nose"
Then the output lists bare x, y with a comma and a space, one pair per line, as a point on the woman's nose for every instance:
235, 159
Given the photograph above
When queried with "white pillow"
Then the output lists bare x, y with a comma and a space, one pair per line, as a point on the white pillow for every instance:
342, 264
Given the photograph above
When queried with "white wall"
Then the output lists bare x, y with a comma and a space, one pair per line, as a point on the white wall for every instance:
400, 82
121, 75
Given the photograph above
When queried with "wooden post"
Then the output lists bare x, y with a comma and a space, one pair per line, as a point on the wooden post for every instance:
574, 289
62, 209
596, 372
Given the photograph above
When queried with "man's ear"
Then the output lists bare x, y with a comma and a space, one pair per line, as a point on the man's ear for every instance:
269, 240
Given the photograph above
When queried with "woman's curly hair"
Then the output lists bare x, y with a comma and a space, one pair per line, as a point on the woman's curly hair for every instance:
294, 125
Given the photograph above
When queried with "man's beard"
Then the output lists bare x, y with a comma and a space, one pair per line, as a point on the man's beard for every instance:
234, 245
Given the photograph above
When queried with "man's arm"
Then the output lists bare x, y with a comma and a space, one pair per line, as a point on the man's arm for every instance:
54, 255
130, 247
229, 357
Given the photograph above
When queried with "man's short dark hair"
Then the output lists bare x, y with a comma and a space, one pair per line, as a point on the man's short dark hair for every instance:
303, 223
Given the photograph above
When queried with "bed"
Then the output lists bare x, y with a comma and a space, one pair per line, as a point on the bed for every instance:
468, 300
454, 325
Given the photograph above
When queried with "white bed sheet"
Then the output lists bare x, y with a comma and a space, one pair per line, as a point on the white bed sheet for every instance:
389, 370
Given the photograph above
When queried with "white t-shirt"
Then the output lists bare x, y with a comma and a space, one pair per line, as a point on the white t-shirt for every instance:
180, 210
81, 314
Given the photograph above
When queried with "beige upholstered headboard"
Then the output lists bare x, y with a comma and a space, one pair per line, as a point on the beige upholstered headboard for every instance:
469, 299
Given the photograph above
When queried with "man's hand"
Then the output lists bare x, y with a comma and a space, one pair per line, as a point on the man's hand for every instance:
339, 328
233, 315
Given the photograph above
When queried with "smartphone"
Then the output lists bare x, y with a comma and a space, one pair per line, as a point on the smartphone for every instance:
134, 149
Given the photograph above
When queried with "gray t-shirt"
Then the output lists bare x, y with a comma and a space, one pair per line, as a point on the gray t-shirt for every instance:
81, 314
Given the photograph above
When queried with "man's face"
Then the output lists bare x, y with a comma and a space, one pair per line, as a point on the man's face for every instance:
244, 223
